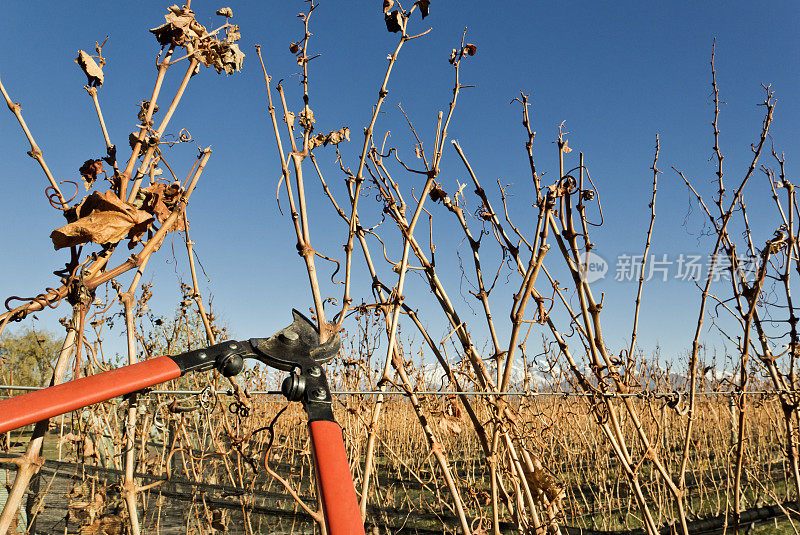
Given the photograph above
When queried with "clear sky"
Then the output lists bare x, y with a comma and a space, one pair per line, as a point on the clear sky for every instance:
617, 73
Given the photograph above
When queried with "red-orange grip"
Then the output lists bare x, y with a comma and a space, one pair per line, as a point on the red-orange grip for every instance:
36, 406
334, 481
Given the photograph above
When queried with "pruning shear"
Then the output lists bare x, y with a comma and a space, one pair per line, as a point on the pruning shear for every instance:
294, 349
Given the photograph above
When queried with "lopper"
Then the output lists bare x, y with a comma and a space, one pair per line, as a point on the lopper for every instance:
295, 349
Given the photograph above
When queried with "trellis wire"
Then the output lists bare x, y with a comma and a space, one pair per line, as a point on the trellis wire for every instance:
644, 394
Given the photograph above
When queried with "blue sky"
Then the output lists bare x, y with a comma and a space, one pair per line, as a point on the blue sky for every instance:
617, 73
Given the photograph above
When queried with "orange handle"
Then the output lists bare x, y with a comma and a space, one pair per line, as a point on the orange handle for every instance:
36, 406
334, 481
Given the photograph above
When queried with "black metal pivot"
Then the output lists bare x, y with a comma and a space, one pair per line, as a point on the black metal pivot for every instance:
227, 357
294, 387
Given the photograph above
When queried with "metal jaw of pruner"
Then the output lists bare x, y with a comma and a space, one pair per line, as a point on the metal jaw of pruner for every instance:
294, 349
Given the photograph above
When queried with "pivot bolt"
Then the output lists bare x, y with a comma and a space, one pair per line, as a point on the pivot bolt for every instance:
293, 387
319, 394
290, 335
315, 371
232, 365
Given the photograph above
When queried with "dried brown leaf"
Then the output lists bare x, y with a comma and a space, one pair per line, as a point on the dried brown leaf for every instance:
232, 34
100, 218
317, 141
387, 5
93, 72
70, 437
437, 193
289, 119
424, 7
470, 49
133, 138
89, 172
222, 55
220, 518
336, 137
564, 147
294, 48
143, 110
541, 480
450, 425
232, 59
306, 120
160, 200
394, 21
180, 28
88, 447
208, 56
225, 12
106, 525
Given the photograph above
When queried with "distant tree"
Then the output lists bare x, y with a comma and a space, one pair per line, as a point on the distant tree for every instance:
26, 356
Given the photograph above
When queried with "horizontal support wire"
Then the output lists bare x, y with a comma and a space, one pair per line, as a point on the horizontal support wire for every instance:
640, 394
